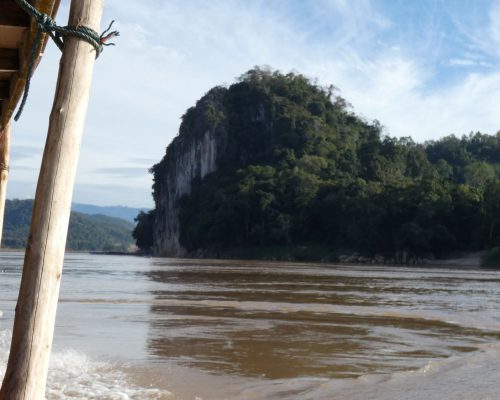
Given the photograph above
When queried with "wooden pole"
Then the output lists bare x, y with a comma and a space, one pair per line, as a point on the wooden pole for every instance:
26, 374
4, 171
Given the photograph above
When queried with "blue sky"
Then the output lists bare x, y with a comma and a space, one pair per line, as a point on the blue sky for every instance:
423, 68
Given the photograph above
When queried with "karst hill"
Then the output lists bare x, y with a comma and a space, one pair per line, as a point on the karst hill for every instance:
276, 161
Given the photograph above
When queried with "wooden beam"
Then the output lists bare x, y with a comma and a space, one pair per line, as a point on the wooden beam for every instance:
9, 60
26, 373
12, 14
6, 75
11, 37
4, 171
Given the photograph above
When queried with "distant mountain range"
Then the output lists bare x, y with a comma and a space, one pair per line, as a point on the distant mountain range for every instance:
96, 232
127, 213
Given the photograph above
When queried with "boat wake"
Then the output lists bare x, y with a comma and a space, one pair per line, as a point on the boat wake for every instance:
74, 376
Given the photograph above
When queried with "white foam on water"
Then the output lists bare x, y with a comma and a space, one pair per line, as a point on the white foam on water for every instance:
74, 376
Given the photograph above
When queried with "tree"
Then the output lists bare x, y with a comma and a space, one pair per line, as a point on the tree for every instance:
478, 174
492, 210
143, 231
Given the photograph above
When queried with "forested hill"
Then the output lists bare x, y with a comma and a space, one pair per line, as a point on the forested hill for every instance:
86, 232
300, 168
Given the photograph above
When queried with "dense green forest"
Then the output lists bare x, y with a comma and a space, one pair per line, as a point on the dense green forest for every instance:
86, 232
301, 169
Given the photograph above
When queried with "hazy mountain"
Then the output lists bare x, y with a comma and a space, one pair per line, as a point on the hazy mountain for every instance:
127, 213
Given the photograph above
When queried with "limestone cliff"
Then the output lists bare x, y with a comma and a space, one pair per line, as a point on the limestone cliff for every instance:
192, 154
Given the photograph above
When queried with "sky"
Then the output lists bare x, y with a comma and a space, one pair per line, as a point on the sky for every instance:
422, 68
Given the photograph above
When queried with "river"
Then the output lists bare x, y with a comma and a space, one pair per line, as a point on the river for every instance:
153, 328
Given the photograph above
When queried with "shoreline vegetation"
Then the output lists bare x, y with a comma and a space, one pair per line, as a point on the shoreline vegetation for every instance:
302, 254
321, 254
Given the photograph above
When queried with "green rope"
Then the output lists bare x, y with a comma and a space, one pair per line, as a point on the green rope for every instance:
47, 25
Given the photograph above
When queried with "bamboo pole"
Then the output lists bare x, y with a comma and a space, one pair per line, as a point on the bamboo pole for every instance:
26, 374
4, 172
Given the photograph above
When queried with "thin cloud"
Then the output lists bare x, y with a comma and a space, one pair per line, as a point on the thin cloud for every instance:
143, 161
122, 172
19, 152
22, 168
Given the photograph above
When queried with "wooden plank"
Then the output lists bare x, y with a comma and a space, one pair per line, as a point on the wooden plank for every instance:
9, 60
11, 37
49, 7
12, 14
6, 75
26, 373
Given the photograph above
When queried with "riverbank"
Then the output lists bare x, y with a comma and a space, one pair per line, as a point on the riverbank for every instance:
309, 253
466, 261
323, 254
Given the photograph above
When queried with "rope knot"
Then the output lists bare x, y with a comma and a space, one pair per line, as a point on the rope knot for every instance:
57, 33
45, 22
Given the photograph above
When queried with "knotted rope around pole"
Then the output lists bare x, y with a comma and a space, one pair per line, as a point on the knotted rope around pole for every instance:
47, 25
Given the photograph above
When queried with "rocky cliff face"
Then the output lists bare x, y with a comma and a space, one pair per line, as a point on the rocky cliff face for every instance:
192, 154
228, 129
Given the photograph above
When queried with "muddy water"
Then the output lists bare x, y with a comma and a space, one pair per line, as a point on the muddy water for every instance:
138, 328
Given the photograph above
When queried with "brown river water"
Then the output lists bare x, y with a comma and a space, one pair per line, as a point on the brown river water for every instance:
152, 328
